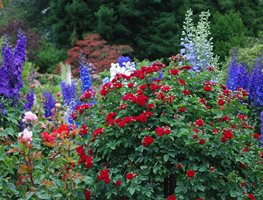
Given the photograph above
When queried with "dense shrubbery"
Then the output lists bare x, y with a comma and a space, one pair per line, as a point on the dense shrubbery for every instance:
151, 131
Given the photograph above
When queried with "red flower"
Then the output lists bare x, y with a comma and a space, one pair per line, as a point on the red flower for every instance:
121, 124
84, 129
143, 87
182, 109
104, 175
242, 165
256, 136
118, 183
129, 176
199, 122
128, 119
220, 102
243, 184
190, 173
251, 197
215, 131
142, 118
174, 71
202, 141
87, 194
89, 162
182, 82
141, 100
147, 140
150, 106
123, 106
186, 92
159, 131
167, 130
130, 85
80, 150
171, 197
179, 166
207, 88
98, 131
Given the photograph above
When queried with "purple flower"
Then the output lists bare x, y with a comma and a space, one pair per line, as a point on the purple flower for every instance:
255, 86
11, 67
30, 100
48, 104
123, 59
233, 73
68, 92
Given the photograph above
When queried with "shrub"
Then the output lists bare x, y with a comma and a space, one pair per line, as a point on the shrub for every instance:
183, 135
96, 51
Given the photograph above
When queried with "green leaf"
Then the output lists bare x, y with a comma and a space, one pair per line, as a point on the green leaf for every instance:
166, 157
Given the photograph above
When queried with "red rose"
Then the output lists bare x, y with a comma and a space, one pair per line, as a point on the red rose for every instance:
202, 141
220, 102
243, 184
150, 106
147, 140
182, 82
89, 162
171, 197
87, 194
190, 173
179, 166
84, 129
130, 85
143, 87
118, 183
142, 118
199, 122
207, 88
174, 71
121, 124
182, 109
129, 176
186, 92
251, 197
159, 131
256, 136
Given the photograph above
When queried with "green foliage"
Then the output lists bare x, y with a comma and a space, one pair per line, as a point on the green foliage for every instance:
49, 56
228, 31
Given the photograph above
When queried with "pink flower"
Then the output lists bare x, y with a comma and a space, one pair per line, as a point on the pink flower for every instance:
25, 136
29, 116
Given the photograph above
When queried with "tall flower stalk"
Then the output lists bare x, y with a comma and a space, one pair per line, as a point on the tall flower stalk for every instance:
48, 104
68, 90
197, 43
11, 67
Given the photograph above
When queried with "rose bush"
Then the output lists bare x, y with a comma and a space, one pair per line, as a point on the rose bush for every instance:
182, 136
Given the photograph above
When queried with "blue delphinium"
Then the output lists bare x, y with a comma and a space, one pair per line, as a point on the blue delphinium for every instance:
68, 92
233, 73
48, 104
11, 67
30, 100
85, 77
255, 86
123, 59
243, 77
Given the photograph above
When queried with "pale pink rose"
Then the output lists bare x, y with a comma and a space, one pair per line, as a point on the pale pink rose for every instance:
29, 116
43, 125
25, 136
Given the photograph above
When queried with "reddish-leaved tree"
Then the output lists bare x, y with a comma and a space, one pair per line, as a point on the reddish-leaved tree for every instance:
96, 51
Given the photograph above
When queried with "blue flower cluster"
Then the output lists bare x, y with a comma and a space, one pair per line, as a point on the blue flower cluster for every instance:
68, 92
48, 104
252, 82
30, 100
123, 59
237, 74
11, 67
85, 77
255, 86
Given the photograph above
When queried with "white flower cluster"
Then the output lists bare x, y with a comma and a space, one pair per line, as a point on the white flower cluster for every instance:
127, 69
